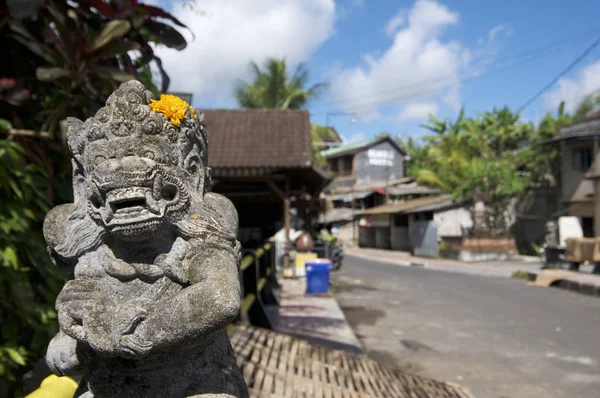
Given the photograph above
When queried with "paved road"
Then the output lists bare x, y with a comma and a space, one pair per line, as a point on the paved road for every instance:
497, 336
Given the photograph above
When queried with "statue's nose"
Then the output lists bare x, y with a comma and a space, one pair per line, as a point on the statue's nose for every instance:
132, 164
127, 164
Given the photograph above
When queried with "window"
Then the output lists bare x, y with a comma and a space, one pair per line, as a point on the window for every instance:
587, 224
583, 159
401, 220
333, 165
348, 164
426, 215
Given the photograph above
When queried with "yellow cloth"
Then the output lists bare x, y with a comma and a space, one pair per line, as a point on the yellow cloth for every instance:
54, 386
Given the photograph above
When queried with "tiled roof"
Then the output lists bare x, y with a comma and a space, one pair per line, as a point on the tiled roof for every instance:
410, 206
240, 138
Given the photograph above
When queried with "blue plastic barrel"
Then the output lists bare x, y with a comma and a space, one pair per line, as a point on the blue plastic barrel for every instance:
317, 276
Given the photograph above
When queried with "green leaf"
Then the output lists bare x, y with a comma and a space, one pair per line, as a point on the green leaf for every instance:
29, 214
11, 256
16, 189
110, 31
24, 37
116, 48
5, 125
166, 35
50, 74
114, 73
15, 356
159, 12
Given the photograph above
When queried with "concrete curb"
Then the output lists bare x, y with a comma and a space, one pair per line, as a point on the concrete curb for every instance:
402, 263
318, 319
579, 287
587, 289
468, 269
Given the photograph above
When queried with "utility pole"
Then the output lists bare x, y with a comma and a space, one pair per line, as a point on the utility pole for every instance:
387, 185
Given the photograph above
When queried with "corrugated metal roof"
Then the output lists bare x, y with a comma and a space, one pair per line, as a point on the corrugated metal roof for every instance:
343, 184
347, 197
336, 215
347, 148
409, 206
588, 124
412, 189
358, 145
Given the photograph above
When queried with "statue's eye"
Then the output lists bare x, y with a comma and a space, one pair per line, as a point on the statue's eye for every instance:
99, 159
149, 155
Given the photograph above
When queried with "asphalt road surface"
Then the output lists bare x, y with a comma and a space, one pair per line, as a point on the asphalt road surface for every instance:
497, 336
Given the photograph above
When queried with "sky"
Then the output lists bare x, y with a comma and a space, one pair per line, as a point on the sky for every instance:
391, 64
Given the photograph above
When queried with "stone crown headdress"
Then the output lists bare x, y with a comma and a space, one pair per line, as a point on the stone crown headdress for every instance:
127, 114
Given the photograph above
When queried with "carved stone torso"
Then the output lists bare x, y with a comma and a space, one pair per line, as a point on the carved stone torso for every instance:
155, 256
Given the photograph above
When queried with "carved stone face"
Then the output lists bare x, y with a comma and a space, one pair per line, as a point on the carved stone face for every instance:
133, 186
134, 172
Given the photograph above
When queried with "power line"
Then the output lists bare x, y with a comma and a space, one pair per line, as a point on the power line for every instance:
446, 81
561, 74
420, 91
523, 55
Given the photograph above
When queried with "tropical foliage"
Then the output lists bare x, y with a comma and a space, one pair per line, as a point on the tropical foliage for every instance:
273, 87
27, 281
320, 136
66, 57
493, 157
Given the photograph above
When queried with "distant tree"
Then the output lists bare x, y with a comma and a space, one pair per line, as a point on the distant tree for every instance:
320, 135
486, 158
590, 104
416, 156
274, 88
473, 158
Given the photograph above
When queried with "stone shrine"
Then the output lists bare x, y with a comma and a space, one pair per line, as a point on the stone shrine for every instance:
154, 254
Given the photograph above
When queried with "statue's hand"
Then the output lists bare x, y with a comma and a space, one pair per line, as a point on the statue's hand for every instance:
67, 356
114, 335
172, 263
87, 313
128, 319
81, 300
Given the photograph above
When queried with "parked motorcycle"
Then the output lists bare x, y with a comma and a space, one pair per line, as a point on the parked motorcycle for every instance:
337, 256
553, 256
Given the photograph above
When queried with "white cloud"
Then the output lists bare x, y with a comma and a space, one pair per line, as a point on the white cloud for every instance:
355, 137
231, 33
397, 21
418, 111
417, 66
573, 90
498, 30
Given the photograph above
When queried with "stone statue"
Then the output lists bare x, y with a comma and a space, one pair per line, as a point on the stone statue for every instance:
155, 256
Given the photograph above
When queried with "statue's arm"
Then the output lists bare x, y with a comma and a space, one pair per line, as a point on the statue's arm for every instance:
209, 303
212, 298
66, 356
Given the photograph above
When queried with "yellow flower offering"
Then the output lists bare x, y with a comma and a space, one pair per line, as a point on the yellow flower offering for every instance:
171, 107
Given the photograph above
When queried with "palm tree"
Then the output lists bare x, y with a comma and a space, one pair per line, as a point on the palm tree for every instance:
274, 88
